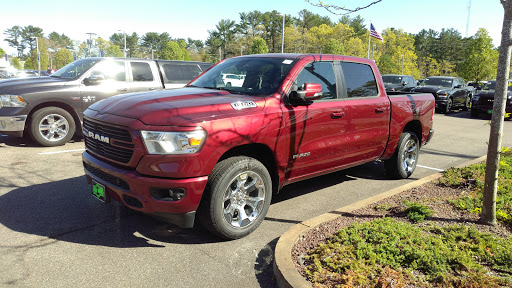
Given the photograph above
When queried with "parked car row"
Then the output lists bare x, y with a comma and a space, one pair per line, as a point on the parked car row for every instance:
451, 92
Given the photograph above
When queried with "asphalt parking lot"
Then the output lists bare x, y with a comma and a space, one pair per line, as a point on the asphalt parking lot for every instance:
53, 233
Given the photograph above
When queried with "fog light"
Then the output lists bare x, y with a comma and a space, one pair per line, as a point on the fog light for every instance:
166, 194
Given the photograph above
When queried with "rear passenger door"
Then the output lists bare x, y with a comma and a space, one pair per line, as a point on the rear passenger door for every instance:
367, 113
144, 76
177, 74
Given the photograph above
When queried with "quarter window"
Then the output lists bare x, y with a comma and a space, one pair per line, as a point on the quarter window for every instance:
359, 79
321, 73
141, 71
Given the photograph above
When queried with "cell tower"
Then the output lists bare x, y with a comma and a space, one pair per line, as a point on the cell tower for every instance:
467, 22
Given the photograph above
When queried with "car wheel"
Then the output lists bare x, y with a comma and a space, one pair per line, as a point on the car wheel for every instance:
403, 163
236, 198
228, 84
467, 104
52, 126
448, 107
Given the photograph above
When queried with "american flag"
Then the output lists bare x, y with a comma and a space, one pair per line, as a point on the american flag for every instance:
374, 33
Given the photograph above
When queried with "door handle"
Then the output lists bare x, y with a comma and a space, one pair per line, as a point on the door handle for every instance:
152, 88
379, 110
337, 115
122, 89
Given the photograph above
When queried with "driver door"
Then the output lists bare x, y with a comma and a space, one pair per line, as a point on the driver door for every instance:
107, 78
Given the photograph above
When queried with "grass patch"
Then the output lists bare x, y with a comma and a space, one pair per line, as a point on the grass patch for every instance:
473, 177
369, 254
417, 212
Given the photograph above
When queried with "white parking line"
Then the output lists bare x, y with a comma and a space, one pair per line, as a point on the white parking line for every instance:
426, 167
64, 151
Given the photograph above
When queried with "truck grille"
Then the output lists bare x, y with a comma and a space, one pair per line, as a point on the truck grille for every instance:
108, 141
107, 177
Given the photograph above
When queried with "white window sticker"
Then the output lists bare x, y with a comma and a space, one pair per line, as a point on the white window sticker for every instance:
287, 62
243, 105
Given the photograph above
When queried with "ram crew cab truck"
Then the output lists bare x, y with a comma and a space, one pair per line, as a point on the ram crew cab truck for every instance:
50, 109
217, 153
449, 92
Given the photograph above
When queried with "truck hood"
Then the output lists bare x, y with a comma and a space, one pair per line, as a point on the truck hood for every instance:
430, 89
489, 94
19, 86
185, 106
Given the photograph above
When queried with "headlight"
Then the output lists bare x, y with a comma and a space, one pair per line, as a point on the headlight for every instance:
158, 142
442, 95
12, 101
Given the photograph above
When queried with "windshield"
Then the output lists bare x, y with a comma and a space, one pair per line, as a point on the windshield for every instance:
75, 69
246, 75
442, 82
392, 79
492, 85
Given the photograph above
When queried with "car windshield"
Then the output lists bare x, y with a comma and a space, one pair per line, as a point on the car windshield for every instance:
246, 75
392, 79
75, 69
442, 82
491, 85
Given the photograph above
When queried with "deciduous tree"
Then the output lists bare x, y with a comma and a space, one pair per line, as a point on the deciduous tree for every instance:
481, 59
62, 58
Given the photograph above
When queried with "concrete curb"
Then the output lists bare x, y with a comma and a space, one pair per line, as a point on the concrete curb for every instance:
285, 272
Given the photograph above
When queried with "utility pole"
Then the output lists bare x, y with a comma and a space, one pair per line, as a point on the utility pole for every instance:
467, 21
90, 43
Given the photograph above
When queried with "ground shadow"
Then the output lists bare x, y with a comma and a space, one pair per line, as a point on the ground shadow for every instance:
264, 265
64, 210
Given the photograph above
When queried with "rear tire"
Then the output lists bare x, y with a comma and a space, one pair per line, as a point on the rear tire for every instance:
403, 163
52, 126
236, 198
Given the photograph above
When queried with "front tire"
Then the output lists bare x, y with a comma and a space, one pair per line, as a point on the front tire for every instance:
236, 198
403, 163
52, 126
448, 107
467, 104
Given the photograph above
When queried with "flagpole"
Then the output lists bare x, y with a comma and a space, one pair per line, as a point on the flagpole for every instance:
369, 38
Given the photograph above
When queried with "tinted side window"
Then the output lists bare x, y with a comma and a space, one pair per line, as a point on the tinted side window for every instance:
141, 71
180, 72
359, 80
321, 73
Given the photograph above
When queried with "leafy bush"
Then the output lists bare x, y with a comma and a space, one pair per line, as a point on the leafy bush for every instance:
455, 256
417, 212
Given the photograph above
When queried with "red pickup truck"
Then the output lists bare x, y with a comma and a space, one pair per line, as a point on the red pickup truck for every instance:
222, 150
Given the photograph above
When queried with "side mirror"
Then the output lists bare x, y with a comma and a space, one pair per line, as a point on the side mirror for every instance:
457, 86
94, 79
310, 92
404, 83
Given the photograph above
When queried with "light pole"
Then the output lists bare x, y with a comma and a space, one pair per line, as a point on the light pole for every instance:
282, 35
124, 42
402, 64
38, 58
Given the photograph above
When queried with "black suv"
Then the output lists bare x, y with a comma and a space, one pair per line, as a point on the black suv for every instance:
483, 101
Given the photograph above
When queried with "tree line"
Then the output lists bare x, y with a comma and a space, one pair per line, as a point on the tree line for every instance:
427, 53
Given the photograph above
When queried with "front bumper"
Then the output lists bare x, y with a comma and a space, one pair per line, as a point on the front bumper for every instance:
12, 124
134, 190
441, 103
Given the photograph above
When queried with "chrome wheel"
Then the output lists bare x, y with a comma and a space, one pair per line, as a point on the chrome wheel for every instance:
409, 156
53, 127
244, 199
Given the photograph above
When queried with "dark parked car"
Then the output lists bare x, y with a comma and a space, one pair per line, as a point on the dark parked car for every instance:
483, 101
398, 82
450, 92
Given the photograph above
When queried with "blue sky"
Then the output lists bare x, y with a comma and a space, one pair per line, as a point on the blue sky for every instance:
193, 18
